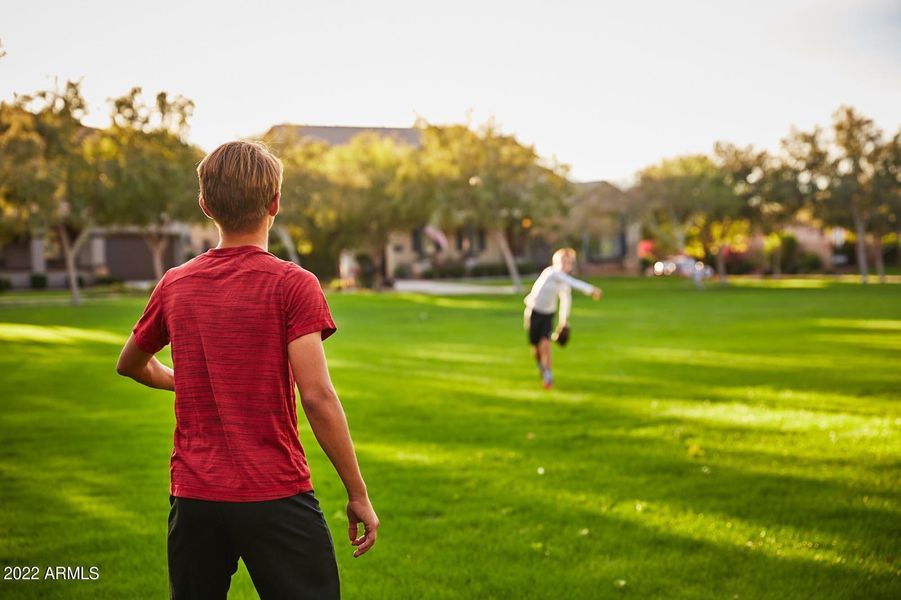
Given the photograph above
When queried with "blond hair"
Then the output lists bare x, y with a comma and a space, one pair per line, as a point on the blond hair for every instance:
238, 180
557, 259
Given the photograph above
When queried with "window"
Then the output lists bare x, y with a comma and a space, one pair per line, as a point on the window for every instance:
606, 244
416, 241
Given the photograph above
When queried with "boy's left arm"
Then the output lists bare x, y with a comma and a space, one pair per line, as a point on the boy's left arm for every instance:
149, 335
144, 368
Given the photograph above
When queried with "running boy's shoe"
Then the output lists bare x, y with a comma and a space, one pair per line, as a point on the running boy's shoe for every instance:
548, 380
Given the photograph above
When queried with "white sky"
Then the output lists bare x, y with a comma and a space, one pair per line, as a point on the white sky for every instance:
605, 87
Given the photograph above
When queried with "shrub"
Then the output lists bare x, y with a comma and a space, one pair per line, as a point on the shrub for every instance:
527, 267
810, 262
790, 252
745, 262
5, 284
489, 270
444, 271
450, 270
368, 270
38, 281
891, 250
107, 280
402, 272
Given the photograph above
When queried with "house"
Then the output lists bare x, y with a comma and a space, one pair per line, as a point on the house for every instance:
338, 135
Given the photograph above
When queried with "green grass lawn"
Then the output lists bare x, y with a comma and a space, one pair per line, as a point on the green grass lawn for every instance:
731, 443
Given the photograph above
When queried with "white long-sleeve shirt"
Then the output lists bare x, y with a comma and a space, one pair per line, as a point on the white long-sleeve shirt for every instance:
551, 285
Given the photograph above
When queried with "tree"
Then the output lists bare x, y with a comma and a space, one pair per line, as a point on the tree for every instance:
670, 193
886, 183
768, 190
147, 168
485, 179
304, 221
842, 178
46, 182
775, 204
721, 225
369, 194
857, 140
697, 197
21, 163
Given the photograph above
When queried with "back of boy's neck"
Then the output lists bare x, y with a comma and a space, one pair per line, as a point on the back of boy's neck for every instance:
231, 242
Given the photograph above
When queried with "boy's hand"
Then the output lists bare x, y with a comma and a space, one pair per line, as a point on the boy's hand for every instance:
361, 511
597, 293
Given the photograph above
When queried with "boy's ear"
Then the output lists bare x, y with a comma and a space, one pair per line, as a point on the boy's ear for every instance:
203, 207
274, 204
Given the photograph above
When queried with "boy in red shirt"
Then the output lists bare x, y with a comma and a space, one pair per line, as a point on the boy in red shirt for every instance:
244, 326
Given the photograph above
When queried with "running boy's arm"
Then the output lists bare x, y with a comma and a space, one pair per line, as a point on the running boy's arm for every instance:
566, 299
583, 286
327, 420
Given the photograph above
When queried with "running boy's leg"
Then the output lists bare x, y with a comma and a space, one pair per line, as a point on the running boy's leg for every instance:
540, 327
286, 546
544, 351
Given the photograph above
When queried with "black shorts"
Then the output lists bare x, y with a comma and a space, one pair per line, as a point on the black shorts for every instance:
540, 326
285, 545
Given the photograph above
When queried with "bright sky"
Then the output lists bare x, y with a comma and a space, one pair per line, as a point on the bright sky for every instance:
607, 87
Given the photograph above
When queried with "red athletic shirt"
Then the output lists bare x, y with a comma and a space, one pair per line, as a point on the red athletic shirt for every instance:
229, 315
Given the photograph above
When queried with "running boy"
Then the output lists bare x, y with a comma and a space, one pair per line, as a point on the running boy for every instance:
541, 304
245, 326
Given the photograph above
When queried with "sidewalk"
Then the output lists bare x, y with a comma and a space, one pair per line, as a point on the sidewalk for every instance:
449, 288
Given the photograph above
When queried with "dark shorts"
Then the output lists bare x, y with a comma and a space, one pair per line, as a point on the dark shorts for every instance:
285, 545
540, 326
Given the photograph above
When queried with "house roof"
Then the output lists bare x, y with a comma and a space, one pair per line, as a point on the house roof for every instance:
337, 135
603, 195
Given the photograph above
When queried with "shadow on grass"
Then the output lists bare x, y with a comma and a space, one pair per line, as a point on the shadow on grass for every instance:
591, 543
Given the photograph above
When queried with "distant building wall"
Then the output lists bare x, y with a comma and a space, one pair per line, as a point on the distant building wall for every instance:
128, 257
120, 253
414, 250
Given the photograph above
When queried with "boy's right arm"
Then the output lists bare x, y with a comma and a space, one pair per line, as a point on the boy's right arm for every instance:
326, 416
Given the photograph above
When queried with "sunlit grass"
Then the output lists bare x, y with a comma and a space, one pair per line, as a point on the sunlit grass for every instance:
17, 332
730, 442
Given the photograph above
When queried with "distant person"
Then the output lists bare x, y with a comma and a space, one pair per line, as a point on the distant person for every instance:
244, 327
541, 304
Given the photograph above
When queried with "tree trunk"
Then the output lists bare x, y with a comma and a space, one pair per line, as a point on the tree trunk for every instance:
378, 276
861, 233
285, 238
880, 262
898, 248
680, 239
777, 261
511, 262
70, 253
721, 265
157, 242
